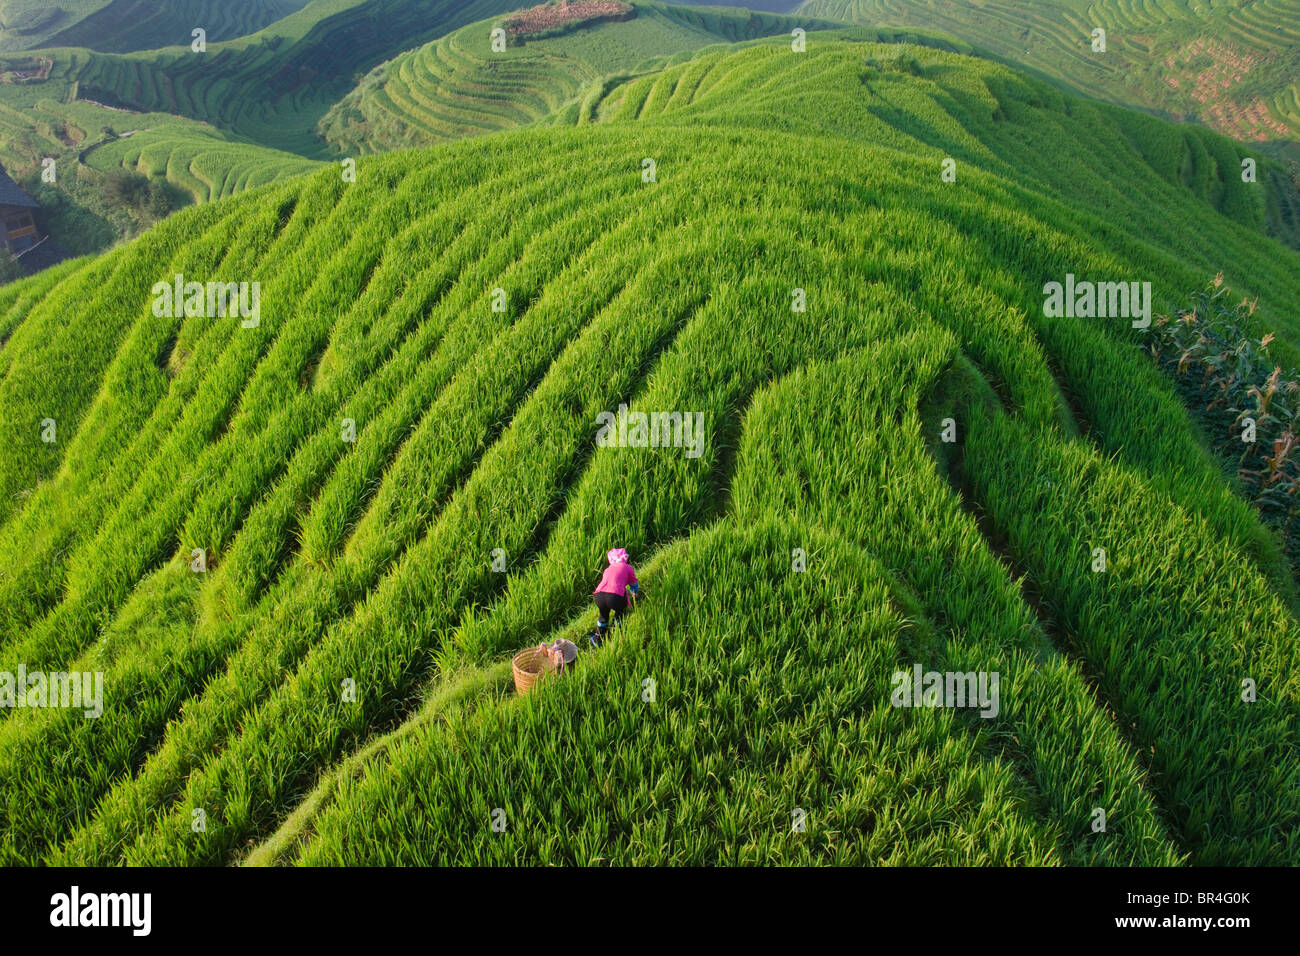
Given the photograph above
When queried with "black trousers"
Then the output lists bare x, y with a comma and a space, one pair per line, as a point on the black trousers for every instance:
607, 603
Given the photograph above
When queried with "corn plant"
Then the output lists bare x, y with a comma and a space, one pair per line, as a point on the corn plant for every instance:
1231, 382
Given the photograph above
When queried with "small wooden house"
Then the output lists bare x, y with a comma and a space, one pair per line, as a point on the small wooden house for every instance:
18, 232
17, 220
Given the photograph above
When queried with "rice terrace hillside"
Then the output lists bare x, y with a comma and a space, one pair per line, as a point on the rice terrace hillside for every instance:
199, 119
168, 114
121, 26
552, 69
885, 359
1232, 65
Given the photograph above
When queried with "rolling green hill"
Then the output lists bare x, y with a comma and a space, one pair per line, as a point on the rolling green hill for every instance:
29, 23
174, 115
124, 26
458, 86
271, 87
86, 140
121, 26
1233, 65
200, 161
206, 123
187, 127
332, 683
191, 154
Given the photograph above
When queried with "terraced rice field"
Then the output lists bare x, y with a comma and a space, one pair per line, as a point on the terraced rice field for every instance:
29, 23
368, 564
200, 162
299, 66
123, 26
1248, 59
195, 158
450, 89
459, 86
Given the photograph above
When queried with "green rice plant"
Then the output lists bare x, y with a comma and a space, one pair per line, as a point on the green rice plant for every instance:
830, 314
737, 708
1176, 676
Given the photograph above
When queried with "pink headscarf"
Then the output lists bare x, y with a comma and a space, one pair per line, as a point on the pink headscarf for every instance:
617, 556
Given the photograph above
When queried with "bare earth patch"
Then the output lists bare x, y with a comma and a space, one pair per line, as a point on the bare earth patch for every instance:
551, 16
24, 71
1212, 88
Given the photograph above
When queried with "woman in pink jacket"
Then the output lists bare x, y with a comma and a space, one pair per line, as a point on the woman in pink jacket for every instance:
611, 592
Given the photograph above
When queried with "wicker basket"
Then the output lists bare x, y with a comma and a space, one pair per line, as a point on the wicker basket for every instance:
529, 666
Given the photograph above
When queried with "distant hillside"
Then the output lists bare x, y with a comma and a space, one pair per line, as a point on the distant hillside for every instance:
286, 76
87, 140
172, 117
270, 87
1233, 65
121, 26
30, 23
303, 545
201, 124
458, 86
127, 25
190, 154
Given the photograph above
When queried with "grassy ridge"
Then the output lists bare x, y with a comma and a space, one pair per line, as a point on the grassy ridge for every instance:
451, 88
372, 562
1019, 126
79, 131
